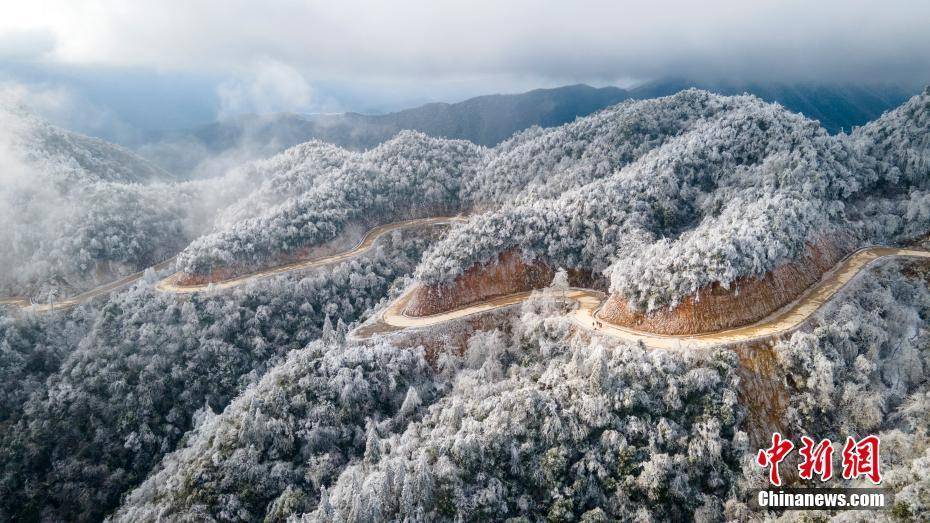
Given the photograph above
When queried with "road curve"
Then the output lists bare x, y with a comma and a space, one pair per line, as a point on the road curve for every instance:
782, 321
585, 315
168, 284
25, 304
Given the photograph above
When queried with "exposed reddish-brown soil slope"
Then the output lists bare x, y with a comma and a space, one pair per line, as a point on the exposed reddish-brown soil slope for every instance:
225, 273
748, 299
762, 390
509, 274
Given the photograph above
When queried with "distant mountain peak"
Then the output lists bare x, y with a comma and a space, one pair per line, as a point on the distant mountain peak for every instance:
491, 119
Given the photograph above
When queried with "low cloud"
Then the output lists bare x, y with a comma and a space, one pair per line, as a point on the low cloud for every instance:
269, 88
42, 99
24, 45
62, 106
29, 201
203, 60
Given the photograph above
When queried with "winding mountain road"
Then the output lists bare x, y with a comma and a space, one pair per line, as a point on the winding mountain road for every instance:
170, 284
585, 315
782, 321
25, 304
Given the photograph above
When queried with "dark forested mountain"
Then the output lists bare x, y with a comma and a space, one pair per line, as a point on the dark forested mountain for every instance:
484, 120
838, 107
489, 120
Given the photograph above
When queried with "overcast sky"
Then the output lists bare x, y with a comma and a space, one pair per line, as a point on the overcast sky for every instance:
193, 60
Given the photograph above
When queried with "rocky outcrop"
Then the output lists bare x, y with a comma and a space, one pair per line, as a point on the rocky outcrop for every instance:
747, 300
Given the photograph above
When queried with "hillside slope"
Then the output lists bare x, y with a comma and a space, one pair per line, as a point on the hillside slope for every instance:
838, 107
749, 188
78, 211
410, 176
252, 403
71, 156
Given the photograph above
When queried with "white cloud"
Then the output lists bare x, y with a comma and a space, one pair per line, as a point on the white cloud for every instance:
270, 87
41, 99
29, 44
422, 39
61, 106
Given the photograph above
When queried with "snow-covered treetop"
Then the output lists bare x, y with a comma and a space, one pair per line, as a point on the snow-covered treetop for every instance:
72, 156
736, 188
718, 187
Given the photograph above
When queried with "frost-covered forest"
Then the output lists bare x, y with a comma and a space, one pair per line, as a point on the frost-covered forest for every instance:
255, 403
78, 212
92, 398
531, 421
411, 176
664, 197
740, 190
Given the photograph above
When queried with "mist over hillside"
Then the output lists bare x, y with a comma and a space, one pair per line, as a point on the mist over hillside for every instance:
78, 211
71, 157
